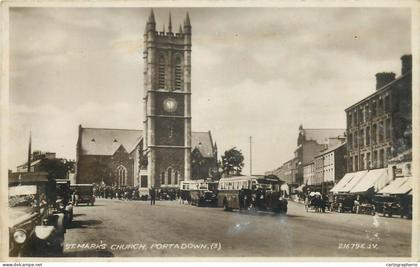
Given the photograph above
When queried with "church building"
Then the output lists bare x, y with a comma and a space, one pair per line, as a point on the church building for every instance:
162, 154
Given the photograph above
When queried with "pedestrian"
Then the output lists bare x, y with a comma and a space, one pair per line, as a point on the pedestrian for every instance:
152, 196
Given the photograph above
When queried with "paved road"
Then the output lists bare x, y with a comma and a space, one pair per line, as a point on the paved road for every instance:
136, 229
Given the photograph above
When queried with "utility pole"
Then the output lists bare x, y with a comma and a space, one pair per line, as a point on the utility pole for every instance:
250, 155
29, 151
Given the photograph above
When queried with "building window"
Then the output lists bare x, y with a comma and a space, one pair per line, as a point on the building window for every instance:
380, 106
355, 140
387, 104
178, 73
350, 141
176, 177
121, 175
162, 72
374, 132
361, 137
368, 161
367, 141
169, 175
350, 120
361, 115
356, 163
375, 159
381, 131
388, 129
381, 158
373, 109
367, 111
362, 161
162, 178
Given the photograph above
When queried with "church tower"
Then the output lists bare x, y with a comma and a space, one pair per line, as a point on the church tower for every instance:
167, 103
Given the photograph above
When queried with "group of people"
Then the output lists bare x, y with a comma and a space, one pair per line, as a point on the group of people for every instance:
133, 193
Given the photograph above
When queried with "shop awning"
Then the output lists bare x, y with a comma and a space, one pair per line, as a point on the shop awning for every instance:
393, 186
406, 187
343, 182
358, 176
377, 179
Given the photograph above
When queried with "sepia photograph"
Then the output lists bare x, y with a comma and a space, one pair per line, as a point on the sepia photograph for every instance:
194, 131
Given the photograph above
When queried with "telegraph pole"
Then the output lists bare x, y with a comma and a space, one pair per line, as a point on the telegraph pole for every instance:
250, 155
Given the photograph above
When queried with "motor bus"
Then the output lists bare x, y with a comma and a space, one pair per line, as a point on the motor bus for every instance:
251, 193
199, 192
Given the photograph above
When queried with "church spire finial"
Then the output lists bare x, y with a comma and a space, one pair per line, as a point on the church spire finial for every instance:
170, 23
180, 29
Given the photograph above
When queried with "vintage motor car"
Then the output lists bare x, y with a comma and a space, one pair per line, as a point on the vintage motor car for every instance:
343, 202
83, 193
35, 228
63, 200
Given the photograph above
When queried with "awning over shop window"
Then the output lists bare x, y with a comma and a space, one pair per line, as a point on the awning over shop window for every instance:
405, 188
376, 179
343, 182
393, 186
356, 179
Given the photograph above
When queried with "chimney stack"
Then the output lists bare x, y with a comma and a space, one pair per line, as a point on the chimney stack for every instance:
383, 79
406, 62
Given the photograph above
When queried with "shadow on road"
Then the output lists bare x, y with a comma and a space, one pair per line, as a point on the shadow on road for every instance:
84, 224
89, 253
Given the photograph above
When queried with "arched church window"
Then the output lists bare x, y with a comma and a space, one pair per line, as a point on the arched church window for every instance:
121, 175
169, 175
162, 72
162, 178
178, 73
176, 177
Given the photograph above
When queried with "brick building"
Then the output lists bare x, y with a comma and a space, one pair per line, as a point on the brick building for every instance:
379, 126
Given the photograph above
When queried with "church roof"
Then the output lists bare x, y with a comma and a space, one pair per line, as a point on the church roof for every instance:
321, 136
104, 142
203, 142
98, 141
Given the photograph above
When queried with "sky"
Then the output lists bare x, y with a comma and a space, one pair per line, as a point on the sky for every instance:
257, 72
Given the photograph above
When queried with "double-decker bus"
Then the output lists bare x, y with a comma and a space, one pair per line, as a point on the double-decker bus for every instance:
251, 193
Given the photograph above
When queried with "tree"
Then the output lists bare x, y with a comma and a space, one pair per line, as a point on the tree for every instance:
56, 168
232, 162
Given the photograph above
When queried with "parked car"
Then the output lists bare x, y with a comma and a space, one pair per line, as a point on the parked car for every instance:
35, 227
343, 202
83, 193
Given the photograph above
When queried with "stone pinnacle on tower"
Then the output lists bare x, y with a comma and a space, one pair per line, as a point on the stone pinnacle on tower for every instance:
170, 23
180, 28
151, 24
187, 25
152, 17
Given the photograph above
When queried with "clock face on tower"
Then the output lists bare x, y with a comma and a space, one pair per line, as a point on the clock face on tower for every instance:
170, 105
